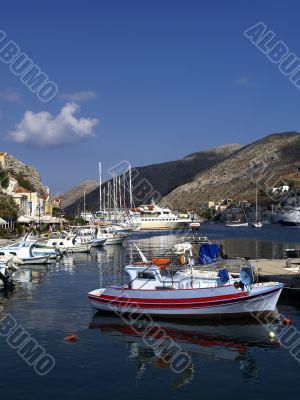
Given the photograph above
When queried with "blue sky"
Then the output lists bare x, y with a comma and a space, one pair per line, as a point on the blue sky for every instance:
162, 78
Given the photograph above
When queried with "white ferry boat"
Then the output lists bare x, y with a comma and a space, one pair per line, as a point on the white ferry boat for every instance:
288, 216
152, 217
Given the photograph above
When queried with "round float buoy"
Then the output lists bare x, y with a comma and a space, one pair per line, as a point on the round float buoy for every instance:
71, 338
286, 321
272, 334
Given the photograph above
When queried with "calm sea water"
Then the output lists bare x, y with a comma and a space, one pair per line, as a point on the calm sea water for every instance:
233, 360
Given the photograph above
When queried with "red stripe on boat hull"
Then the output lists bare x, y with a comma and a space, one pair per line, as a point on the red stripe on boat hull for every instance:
173, 305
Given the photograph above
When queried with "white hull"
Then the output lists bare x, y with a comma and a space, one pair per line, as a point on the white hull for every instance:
289, 217
118, 240
36, 260
99, 242
197, 303
256, 224
237, 225
81, 248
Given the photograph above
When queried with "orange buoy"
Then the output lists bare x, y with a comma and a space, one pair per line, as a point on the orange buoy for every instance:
160, 363
71, 338
286, 321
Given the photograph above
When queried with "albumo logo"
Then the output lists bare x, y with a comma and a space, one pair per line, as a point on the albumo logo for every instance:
27, 347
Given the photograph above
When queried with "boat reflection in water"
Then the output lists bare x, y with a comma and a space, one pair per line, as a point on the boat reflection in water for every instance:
209, 342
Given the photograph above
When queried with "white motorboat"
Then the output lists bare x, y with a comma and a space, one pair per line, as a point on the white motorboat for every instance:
86, 235
69, 244
24, 251
289, 216
209, 289
125, 227
39, 249
156, 291
110, 237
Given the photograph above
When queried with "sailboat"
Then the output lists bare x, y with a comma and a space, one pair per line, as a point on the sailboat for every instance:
238, 223
257, 223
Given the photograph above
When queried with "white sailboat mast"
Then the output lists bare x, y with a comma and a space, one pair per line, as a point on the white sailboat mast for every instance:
124, 191
120, 193
114, 194
100, 185
130, 188
84, 205
104, 199
256, 205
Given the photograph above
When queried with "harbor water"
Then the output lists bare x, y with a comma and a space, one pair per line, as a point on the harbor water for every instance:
228, 359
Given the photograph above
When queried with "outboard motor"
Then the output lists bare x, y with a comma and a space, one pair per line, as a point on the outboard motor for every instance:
7, 281
246, 279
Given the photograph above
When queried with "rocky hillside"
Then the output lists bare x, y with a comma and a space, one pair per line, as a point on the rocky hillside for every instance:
162, 177
270, 161
73, 195
17, 169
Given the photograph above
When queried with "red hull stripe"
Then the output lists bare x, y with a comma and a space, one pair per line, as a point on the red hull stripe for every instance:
133, 304
174, 301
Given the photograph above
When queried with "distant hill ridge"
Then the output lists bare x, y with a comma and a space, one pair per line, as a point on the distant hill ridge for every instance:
76, 192
270, 161
163, 177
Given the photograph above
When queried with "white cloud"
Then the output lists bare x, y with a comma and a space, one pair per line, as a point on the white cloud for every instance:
84, 95
244, 81
42, 130
11, 96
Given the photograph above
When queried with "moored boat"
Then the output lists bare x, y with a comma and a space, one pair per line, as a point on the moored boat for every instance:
162, 291
69, 244
152, 217
236, 224
25, 251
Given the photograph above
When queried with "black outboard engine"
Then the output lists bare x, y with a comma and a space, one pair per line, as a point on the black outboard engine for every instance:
7, 281
246, 279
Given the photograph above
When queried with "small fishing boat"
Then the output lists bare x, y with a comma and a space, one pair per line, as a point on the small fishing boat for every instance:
110, 237
239, 223
236, 224
39, 249
25, 251
69, 244
157, 288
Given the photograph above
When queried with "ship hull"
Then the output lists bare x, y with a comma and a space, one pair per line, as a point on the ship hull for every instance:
222, 302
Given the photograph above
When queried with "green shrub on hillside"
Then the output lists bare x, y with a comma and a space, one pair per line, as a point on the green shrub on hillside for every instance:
4, 179
8, 207
24, 183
